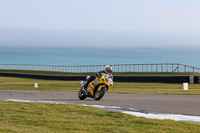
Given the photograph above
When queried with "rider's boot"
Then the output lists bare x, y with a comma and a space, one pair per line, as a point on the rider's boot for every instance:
85, 86
88, 81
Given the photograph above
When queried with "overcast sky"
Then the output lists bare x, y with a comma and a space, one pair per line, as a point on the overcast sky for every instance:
100, 23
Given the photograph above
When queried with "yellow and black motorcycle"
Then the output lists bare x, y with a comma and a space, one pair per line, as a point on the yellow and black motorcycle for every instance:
97, 88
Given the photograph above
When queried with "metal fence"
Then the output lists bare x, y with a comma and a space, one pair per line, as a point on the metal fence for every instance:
160, 67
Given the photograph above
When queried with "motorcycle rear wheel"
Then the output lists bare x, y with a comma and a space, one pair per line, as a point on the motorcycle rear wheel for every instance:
81, 94
99, 94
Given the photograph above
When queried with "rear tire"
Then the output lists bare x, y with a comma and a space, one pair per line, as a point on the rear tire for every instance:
99, 94
81, 94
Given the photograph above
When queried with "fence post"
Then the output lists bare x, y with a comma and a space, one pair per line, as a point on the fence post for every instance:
142, 67
185, 68
147, 67
178, 67
156, 67
138, 67
81, 67
118, 67
167, 67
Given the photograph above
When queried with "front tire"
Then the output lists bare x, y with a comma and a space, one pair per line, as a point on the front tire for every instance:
81, 94
99, 94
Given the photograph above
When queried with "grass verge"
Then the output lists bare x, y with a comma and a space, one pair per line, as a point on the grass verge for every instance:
51, 118
9, 83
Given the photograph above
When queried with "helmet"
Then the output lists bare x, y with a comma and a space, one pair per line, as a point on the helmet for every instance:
108, 69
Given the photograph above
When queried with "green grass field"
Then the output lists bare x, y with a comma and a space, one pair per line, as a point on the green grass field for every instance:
16, 117
8, 83
54, 118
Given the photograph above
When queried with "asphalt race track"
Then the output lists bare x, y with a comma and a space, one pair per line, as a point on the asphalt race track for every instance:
175, 104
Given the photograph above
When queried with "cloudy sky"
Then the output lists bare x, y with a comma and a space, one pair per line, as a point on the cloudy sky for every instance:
100, 23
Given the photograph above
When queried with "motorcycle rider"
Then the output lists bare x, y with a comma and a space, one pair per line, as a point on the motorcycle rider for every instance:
107, 70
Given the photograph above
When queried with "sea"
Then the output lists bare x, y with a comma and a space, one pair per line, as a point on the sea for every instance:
96, 56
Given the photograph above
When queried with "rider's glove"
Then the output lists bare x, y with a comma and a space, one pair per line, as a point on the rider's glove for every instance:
98, 75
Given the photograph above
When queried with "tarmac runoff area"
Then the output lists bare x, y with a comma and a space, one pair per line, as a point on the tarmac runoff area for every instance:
189, 104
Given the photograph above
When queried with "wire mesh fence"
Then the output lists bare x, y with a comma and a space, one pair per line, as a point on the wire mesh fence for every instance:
160, 67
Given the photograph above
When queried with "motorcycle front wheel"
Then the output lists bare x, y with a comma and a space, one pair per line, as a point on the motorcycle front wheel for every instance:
81, 94
99, 94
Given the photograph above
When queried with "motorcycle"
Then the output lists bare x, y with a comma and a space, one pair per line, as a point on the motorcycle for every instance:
97, 88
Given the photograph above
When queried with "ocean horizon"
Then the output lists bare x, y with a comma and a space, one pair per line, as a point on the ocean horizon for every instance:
98, 56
